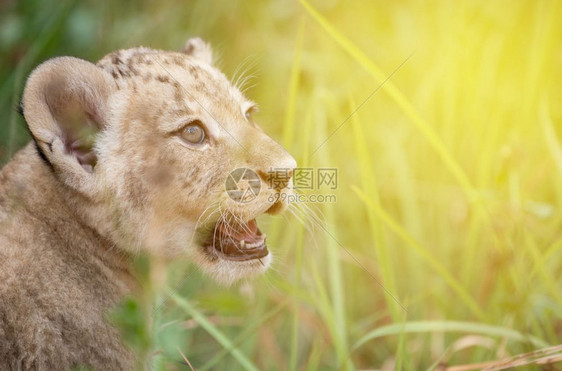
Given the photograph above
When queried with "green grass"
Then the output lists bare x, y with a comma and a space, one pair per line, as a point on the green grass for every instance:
447, 225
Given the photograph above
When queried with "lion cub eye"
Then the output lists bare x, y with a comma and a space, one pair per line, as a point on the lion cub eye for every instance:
249, 112
193, 133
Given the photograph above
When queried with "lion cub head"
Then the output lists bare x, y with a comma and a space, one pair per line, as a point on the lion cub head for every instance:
159, 153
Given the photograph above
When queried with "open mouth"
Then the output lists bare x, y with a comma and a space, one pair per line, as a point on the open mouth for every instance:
236, 241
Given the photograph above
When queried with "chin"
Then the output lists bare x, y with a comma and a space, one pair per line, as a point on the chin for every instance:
227, 272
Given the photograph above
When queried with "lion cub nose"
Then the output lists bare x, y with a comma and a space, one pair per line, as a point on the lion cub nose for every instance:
278, 175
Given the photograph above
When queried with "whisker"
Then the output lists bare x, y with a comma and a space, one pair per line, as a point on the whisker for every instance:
198, 223
246, 64
243, 76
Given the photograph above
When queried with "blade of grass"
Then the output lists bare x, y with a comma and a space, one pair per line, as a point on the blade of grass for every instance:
333, 263
314, 358
402, 356
43, 39
289, 123
543, 359
299, 253
550, 251
410, 111
254, 326
220, 337
323, 303
450, 326
414, 245
295, 323
552, 144
538, 266
379, 236
398, 97
377, 231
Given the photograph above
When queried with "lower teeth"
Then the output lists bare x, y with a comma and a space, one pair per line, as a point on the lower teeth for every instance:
248, 246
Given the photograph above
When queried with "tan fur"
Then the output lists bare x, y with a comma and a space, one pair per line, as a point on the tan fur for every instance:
68, 230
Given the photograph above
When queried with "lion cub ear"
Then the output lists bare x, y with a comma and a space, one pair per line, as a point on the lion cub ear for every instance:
65, 103
199, 49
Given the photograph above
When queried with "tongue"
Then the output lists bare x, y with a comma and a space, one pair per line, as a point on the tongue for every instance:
248, 232
240, 242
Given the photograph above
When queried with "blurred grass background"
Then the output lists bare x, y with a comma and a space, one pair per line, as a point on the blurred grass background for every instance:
445, 243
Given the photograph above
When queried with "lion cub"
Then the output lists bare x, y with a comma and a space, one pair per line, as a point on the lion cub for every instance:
131, 155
